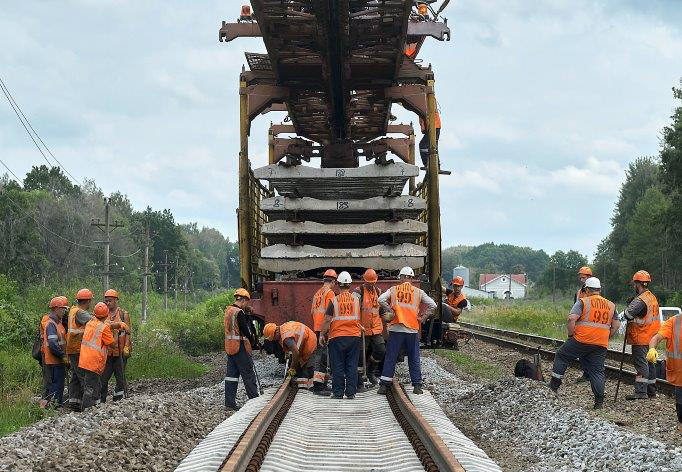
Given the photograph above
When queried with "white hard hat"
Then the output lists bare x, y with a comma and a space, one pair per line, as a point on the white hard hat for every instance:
407, 271
344, 278
593, 282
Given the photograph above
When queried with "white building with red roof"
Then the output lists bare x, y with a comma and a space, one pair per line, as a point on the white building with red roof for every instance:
502, 287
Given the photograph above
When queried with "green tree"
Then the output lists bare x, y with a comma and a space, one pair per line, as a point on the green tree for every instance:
51, 179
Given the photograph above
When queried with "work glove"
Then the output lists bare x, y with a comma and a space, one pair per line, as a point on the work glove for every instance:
291, 372
126, 351
652, 355
123, 326
388, 316
66, 360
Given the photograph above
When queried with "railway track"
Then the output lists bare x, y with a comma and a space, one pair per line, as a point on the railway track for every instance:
291, 429
547, 348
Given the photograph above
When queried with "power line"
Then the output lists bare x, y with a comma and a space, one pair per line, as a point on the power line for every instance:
15, 106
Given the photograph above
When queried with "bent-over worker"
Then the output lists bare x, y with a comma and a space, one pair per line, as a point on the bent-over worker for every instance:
298, 340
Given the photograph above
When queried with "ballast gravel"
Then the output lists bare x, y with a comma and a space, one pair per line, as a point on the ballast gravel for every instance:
147, 431
524, 426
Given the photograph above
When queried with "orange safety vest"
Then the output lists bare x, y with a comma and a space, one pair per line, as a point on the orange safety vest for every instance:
594, 324
422, 122
641, 330
232, 334
411, 50
369, 311
74, 335
94, 349
673, 362
346, 320
453, 300
48, 357
320, 301
305, 339
405, 302
121, 338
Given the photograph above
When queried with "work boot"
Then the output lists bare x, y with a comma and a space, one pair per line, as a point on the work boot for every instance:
554, 384
417, 390
372, 378
350, 397
321, 392
651, 395
361, 388
382, 389
598, 403
231, 408
337, 397
637, 396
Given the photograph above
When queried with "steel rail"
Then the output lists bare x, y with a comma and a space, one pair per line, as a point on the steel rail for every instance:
662, 386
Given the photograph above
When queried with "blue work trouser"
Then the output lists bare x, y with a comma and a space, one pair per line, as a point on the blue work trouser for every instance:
240, 364
592, 359
54, 383
344, 352
410, 343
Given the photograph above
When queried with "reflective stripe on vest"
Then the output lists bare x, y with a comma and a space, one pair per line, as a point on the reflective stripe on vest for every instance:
97, 336
650, 317
353, 314
405, 298
583, 320
677, 332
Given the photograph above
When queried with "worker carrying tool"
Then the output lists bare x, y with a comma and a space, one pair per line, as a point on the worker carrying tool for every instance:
590, 325
643, 323
456, 301
375, 348
321, 302
119, 351
79, 315
239, 339
402, 304
341, 330
300, 342
671, 331
53, 352
583, 274
97, 337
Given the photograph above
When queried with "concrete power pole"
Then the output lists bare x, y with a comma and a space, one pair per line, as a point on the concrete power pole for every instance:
107, 227
165, 280
145, 274
177, 268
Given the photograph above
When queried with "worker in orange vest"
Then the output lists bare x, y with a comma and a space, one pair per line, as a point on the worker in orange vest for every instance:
456, 302
370, 317
643, 323
239, 340
341, 330
298, 340
78, 317
671, 331
118, 352
94, 352
402, 304
583, 274
321, 302
53, 352
590, 325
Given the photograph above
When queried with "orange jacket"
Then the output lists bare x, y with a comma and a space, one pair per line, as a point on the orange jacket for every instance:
96, 338
641, 330
232, 334
405, 300
672, 332
346, 319
369, 311
422, 123
594, 324
320, 302
74, 335
48, 357
305, 339
122, 338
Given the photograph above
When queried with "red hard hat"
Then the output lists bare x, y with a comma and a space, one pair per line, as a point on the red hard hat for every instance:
101, 310
585, 271
84, 294
458, 280
370, 276
641, 276
111, 293
330, 273
59, 302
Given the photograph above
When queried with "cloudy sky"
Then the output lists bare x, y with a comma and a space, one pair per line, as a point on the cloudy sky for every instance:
544, 103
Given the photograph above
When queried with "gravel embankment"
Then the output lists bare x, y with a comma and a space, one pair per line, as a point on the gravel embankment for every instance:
153, 430
523, 426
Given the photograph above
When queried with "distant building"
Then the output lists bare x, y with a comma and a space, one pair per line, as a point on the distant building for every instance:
475, 293
462, 272
499, 285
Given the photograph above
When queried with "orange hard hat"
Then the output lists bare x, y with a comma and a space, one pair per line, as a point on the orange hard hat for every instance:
84, 294
101, 310
240, 292
584, 270
422, 8
269, 331
370, 276
59, 302
458, 280
330, 273
111, 293
641, 276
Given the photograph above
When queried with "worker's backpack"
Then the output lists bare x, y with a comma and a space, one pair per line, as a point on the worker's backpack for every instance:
37, 351
529, 370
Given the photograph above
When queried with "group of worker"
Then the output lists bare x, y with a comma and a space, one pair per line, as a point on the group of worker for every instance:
93, 343
593, 320
360, 332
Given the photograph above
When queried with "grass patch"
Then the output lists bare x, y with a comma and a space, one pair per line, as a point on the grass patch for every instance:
471, 365
156, 358
18, 411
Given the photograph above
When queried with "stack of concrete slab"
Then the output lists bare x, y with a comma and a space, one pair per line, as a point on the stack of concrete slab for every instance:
341, 217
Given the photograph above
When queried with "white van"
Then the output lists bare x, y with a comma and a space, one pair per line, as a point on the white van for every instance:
665, 312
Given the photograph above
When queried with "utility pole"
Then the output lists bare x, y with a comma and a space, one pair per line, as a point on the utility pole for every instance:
177, 268
553, 283
145, 274
107, 227
165, 280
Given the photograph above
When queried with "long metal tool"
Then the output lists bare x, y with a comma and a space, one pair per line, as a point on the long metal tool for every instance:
622, 359
364, 359
255, 371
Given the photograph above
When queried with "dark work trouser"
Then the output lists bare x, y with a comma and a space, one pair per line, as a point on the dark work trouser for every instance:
592, 359
53, 376
410, 343
76, 382
375, 350
424, 147
115, 366
319, 361
678, 403
645, 381
91, 388
240, 364
343, 356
